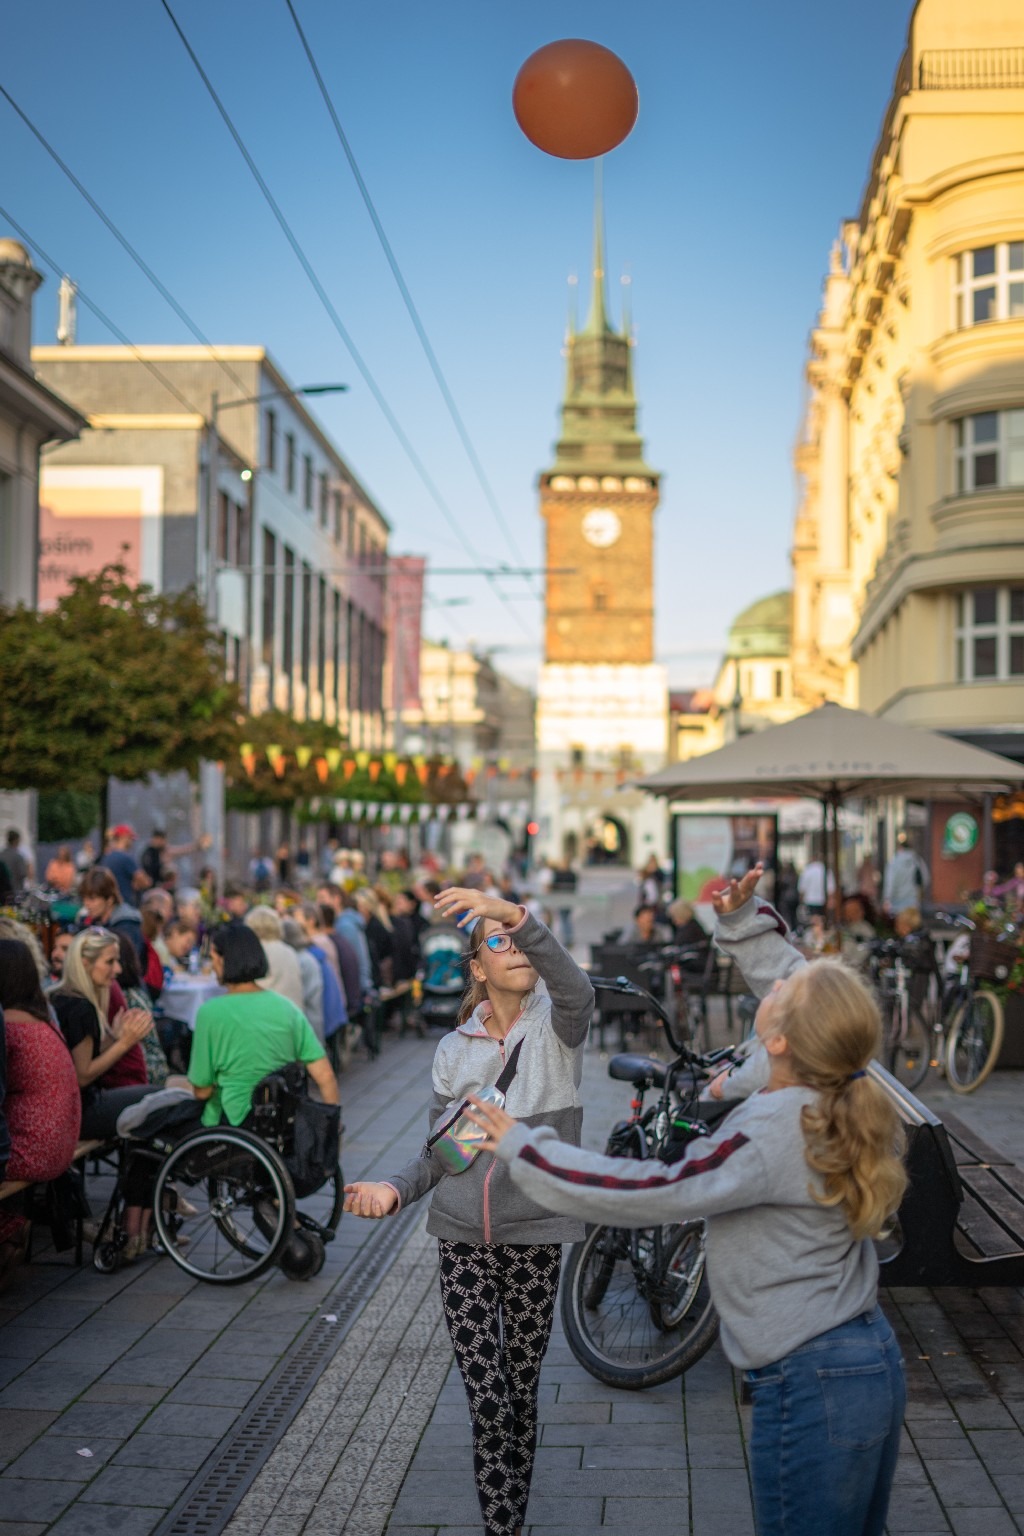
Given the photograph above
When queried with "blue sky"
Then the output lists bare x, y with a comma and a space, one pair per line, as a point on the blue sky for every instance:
756, 130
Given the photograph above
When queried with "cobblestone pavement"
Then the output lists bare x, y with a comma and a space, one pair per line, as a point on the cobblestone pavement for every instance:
162, 1380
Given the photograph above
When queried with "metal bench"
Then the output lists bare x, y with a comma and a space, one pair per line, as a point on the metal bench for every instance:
961, 1222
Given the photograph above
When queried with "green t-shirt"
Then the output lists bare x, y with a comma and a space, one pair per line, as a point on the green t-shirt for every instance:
239, 1039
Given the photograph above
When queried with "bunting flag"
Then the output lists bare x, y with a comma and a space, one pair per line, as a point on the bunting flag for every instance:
401, 773
355, 809
333, 756
387, 812
247, 752
425, 811
322, 769
405, 813
469, 774
375, 770
275, 757
443, 812
303, 755
362, 761
424, 772
390, 761
350, 768
462, 811
371, 810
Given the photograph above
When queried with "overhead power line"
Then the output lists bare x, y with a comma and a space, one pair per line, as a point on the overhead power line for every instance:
102, 316
122, 239
335, 318
407, 298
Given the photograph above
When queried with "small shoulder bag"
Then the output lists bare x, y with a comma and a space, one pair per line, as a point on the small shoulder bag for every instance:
457, 1143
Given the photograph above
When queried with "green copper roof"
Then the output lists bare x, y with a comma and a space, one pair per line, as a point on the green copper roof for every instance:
599, 411
763, 629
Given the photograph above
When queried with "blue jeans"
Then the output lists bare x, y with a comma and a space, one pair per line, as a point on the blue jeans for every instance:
826, 1432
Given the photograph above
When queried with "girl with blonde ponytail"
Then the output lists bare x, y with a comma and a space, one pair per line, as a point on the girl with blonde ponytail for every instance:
793, 1185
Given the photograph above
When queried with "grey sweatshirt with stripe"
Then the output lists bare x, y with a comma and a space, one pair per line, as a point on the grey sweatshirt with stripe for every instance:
483, 1205
781, 1267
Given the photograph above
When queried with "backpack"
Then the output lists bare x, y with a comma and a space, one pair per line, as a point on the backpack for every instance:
305, 1132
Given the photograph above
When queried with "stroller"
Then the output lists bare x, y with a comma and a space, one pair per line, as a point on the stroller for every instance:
444, 950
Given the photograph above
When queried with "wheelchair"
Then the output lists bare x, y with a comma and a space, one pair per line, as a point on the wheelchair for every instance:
225, 1206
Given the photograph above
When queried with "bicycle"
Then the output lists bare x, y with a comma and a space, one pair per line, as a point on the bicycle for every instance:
906, 1036
971, 1016
635, 1303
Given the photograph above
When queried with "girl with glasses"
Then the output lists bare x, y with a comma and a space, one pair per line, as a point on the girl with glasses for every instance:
500, 1250
794, 1186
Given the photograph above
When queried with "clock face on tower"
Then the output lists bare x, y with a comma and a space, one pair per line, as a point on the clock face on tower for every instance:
601, 527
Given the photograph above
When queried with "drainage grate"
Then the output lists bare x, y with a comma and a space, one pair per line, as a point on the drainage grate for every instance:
210, 1500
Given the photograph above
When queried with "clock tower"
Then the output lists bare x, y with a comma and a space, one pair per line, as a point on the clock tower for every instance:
602, 714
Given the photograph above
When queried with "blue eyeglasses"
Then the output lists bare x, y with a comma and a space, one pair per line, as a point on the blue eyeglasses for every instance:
497, 943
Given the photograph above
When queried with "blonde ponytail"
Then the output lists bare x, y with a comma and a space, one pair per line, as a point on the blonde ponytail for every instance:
854, 1137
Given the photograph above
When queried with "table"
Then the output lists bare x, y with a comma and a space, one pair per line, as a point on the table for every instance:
184, 995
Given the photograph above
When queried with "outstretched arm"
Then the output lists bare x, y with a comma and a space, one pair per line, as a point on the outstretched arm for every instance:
753, 934
725, 1173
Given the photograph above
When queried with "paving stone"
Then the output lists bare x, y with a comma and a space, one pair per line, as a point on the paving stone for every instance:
21, 1527
46, 1384
212, 1390
19, 1427
962, 1483
720, 1501
614, 1436
982, 1522
190, 1419
639, 1411
101, 1419
123, 1485
23, 1498
56, 1458
179, 1453
106, 1520
19, 1343
571, 1413
122, 1392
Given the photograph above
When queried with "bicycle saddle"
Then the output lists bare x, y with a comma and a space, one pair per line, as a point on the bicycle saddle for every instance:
641, 1071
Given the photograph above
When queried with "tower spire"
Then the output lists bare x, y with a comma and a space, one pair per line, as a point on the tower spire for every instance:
597, 320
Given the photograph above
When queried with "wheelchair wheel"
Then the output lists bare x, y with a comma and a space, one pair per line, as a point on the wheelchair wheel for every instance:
240, 1204
302, 1256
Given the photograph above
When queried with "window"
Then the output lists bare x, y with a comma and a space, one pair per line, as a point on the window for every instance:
988, 284
224, 511
600, 599
289, 461
307, 628
336, 621
779, 682
269, 439
288, 642
269, 598
989, 450
338, 512
325, 501
321, 643
307, 481
990, 634
577, 756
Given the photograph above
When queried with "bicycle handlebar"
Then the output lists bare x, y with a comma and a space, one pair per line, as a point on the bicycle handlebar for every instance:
624, 987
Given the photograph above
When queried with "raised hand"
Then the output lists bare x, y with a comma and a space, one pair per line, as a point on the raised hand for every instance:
371, 1200
737, 893
469, 906
490, 1118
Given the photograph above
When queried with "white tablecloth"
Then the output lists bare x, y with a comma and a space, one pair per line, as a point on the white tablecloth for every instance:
183, 996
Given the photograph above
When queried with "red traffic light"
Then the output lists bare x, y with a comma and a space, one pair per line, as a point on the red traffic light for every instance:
532, 828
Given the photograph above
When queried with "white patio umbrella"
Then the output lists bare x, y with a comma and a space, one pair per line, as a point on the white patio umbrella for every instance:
833, 754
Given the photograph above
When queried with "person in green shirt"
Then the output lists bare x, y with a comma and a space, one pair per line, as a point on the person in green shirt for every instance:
250, 1032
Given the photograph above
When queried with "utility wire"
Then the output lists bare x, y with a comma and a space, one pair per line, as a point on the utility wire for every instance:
335, 318
122, 240
102, 317
407, 299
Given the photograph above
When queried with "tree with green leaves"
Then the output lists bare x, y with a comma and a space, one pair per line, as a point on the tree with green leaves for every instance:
116, 681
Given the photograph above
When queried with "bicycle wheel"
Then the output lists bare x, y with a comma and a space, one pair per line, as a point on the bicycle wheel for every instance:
975, 1040
240, 1207
907, 1052
681, 1300
617, 1339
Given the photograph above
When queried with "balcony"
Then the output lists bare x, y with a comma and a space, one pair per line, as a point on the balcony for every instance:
971, 69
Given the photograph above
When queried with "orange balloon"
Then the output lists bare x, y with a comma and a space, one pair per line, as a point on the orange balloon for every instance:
575, 99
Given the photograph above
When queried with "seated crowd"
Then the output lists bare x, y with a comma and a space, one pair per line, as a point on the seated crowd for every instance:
110, 1015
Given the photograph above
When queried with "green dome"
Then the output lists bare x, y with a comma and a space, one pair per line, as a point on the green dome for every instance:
764, 628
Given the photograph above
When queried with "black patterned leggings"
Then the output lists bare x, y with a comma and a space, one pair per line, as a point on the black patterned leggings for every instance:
499, 1303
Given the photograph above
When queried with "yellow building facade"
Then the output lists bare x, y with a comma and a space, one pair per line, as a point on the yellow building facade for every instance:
909, 537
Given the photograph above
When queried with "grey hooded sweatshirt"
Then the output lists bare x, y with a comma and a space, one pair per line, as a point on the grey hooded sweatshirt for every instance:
483, 1205
781, 1267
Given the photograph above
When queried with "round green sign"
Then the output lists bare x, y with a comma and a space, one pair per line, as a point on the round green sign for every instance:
961, 833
